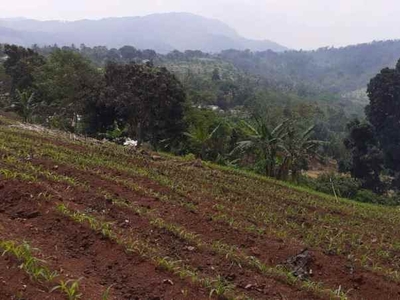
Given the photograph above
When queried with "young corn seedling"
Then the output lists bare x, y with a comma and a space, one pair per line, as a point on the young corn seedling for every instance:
69, 288
30, 264
103, 227
106, 294
220, 287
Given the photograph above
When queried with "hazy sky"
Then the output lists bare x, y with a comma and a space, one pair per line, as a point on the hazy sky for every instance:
294, 23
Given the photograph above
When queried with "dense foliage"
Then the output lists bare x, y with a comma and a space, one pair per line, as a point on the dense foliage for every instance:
384, 114
148, 100
332, 70
375, 145
64, 90
271, 113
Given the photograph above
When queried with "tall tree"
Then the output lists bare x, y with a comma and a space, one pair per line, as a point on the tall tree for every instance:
5, 87
384, 114
129, 53
367, 158
20, 65
150, 100
215, 75
67, 83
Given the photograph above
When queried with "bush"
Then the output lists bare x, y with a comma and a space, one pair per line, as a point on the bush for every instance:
189, 157
344, 186
367, 196
393, 200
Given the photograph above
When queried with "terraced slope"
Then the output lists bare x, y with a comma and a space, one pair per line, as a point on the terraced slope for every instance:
99, 221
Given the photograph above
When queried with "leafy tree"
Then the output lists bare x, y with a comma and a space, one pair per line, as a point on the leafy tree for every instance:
67, 84
20, 65
149, 99
149, 54
216, 76
384, 114
129, 53
113, 55
5, 87
367, 158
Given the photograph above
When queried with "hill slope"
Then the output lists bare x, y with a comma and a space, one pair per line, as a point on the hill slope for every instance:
344, 71
160, 227
160, 32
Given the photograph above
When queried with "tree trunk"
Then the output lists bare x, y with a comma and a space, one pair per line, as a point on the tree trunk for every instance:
139, 133
203, 151
272, 163
266, 165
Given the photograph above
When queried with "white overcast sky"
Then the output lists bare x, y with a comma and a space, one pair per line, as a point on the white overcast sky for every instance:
305, 24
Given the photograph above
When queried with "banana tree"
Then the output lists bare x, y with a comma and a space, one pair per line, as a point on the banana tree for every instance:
296, 150
265, 140
201, 136
24, 104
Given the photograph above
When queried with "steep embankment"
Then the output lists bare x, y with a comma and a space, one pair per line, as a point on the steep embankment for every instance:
152, 226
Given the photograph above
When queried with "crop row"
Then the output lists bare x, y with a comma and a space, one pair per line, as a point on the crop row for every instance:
38, 271
336, 235
250, 261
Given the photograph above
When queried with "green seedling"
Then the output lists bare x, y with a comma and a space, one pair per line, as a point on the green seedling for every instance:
33, 266
69, 288
106, 293
220, 287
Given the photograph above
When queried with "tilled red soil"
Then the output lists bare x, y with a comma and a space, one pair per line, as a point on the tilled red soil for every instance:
81, 253
332, 270
76, 251
15, 284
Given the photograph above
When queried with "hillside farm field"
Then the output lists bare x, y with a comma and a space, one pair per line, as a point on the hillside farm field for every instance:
80, 219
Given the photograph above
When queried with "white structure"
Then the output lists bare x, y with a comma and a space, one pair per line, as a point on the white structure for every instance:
130, 143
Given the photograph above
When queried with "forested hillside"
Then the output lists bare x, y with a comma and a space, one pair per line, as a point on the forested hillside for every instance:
328, 74
335, 70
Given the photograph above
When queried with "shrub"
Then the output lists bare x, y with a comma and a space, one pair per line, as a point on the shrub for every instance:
367, 196
344, 186
189, 157
350, 188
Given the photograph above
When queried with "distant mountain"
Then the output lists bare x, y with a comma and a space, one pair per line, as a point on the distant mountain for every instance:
160, 32
23, 38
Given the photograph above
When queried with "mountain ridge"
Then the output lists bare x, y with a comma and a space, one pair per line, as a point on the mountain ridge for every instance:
161, 32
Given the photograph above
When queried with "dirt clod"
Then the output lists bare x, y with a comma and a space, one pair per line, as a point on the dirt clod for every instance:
300, 264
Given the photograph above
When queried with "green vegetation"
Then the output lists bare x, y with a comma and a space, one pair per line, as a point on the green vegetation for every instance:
185, 196
142, 248
33, 266
36, 268
70, 288
260, 156
236, 108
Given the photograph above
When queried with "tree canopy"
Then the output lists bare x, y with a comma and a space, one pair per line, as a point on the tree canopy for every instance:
384, 113
149, 99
